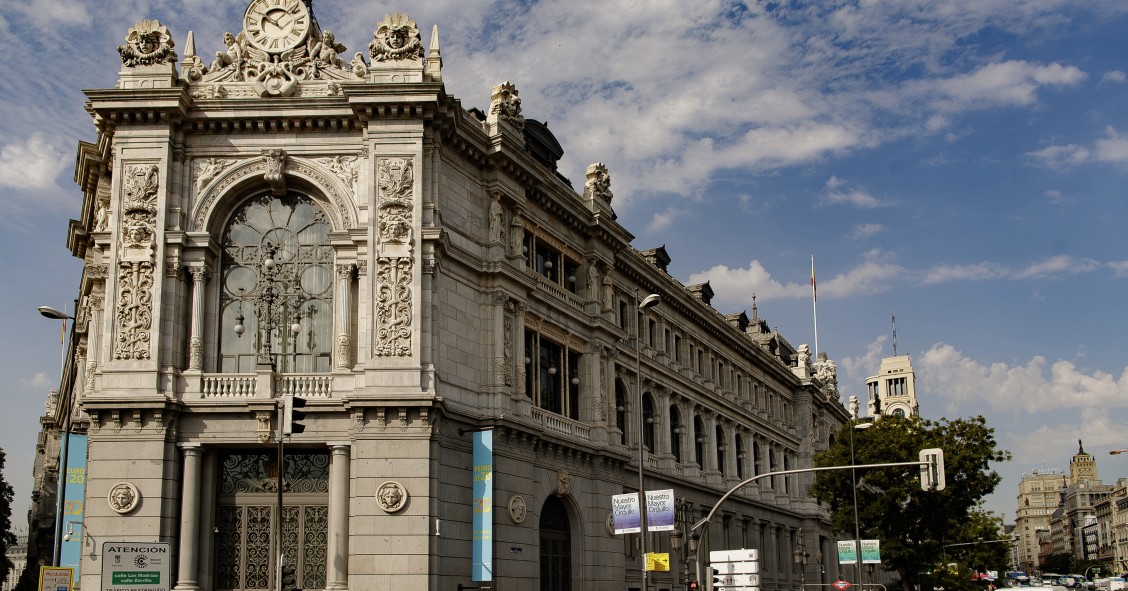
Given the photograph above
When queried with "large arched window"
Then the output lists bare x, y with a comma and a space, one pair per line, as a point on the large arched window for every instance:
699, 441
276, 272
648, 422
675, 433
720, 441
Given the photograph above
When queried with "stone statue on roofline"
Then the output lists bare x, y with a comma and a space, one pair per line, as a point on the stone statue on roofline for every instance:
148, 43
396, 39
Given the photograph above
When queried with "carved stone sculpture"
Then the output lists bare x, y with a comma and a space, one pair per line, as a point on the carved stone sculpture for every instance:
123, 497
275, 175
505, 104
391, 496
135, 274
598, 183
148, 43
396, 39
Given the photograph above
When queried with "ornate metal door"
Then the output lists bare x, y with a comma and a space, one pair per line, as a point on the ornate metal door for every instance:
246, 514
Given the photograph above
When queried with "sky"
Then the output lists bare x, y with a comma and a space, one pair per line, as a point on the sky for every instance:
960, 164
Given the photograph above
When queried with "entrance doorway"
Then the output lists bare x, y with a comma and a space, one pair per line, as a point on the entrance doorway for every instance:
555, 547
247, 514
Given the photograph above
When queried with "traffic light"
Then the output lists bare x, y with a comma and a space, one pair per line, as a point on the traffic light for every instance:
932, 472
291, 415
289, 578
691, 586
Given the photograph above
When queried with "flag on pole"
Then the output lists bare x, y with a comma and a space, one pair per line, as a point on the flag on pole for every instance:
814, 290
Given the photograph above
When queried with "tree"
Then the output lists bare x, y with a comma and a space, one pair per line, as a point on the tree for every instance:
7, 537
913, 525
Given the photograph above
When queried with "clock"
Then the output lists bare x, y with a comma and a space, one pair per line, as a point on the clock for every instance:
276, 25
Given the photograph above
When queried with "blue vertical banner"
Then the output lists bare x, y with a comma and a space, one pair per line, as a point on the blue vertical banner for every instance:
483, 506
70, 549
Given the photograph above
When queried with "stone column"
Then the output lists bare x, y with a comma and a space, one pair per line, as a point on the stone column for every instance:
710, 452
343, 306
190, 519
196, 340
337, 569
662, 443
519, 346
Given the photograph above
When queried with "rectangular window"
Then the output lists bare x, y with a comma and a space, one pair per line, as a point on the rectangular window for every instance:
552, 376
677, 348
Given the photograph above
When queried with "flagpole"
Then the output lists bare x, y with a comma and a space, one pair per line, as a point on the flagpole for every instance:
814, 306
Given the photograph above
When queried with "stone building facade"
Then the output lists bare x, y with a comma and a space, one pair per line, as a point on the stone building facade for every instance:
1038, 495
282, 222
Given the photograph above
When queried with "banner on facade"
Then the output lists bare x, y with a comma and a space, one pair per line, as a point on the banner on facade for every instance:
482, 553
625, 513
847, 552
660, 510
70, 548
871, 552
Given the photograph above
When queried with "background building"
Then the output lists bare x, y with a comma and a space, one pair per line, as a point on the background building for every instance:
1038, 495
279, 222
893, 390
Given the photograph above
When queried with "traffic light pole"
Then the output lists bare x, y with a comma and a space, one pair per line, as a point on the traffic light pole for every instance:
281, 472
931, 461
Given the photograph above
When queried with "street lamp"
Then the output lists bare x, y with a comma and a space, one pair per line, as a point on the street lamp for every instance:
272, 280
63, 400
648, 302
800, 556
854, 483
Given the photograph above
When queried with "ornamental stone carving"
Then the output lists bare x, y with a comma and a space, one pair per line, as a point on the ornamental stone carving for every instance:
396, 39
397, 181
207, 169
345, 167
147, 43
123, 497
133, 317
517, 509
505, 105
391, 496
275, 174
393, 307
598, 183
563, 483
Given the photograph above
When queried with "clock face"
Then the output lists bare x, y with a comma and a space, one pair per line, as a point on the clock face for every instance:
276, 25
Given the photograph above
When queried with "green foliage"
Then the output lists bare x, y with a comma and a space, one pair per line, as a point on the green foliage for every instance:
913, 525
1060, 563
7, 536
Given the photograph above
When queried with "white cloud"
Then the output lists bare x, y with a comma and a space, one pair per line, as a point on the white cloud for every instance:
1111, 149
1034, 387
1114, 76
32, 164
37, 382
856, 196
1056, 267
872, 276
1056, 197
1119, 268
1007, 83
861, 231
664, 219
976, 272
50, 13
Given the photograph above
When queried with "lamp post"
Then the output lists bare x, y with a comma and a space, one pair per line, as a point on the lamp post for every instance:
854, 483
648, 302
63, 400
270, 277
801, 558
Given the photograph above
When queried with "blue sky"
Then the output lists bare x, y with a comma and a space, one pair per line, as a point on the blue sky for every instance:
960, 163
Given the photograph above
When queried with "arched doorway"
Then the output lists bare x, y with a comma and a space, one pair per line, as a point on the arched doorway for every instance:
555, 547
